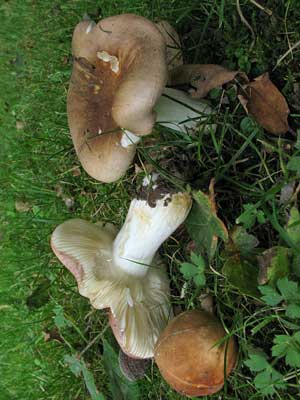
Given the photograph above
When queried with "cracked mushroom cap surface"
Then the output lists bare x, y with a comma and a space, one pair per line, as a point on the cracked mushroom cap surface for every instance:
119, 72
188, 354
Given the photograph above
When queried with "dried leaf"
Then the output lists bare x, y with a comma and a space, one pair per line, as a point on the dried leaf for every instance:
266, 104
273, 264
20, 125
203, 77
22, 206
174, 51
203, 224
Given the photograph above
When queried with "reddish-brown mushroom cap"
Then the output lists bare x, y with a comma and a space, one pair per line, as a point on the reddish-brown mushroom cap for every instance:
188, 356
119, 73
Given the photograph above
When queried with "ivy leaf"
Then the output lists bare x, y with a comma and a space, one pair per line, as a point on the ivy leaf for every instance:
203, 224
242, 275
194, 270
270, 295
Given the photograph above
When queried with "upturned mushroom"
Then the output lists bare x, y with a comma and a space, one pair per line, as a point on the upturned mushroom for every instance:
119, 72
190, 356
122, 271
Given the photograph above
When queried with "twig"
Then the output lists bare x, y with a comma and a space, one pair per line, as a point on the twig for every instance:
266, 10
290, 50
245, 22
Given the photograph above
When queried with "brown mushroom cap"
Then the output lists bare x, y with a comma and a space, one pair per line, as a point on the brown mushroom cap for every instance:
188, 357
119, 73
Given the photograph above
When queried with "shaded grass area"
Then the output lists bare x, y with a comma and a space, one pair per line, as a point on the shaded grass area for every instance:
38, 169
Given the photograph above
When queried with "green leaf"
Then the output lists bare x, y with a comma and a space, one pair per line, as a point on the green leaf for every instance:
194, 271
289, 289
203, 225
256, 362
242, 275
294, 164
244, 242
273, 263
78, 367
281, 345
293, 311
292, 357
120, 387
288, 347
59, 319
293, 226
270, 295
188, 270
250, 215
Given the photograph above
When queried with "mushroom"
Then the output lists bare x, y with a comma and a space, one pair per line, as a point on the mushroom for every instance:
119, 72
191, 357
123, 271
178, 111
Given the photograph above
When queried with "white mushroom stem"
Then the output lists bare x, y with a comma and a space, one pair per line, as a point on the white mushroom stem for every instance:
145, 229
177, 110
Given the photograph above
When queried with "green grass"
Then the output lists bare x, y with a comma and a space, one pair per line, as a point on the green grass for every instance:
250, 167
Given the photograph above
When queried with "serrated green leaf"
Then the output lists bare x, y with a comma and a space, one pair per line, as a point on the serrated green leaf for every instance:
188, 270
248, 217
256, 362
120, 387
203, 225
292, 357
289, 289
293, 311
281, 345
198, 260
269, 380
242, 275
294, 164
270, 295
199, 280
195, 272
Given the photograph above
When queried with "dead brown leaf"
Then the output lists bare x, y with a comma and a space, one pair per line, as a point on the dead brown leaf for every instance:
22, 206
174, 51
203, 77
266, 104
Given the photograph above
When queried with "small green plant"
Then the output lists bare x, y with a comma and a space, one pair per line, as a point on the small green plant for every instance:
195, 270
